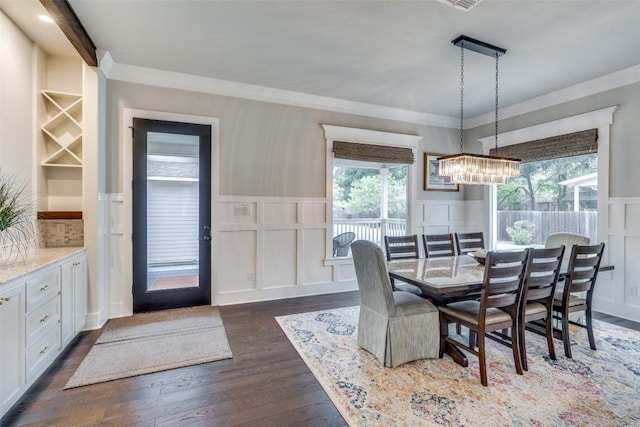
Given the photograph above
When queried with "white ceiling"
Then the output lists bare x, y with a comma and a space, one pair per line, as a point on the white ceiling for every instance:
389, 53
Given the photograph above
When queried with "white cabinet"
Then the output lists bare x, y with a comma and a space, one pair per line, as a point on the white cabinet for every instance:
74, 298
40, 313
12, 344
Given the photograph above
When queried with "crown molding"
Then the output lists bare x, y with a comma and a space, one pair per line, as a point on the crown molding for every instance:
601, 84
173, 80
182, 81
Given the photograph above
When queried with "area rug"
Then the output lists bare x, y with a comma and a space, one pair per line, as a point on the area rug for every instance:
152, 342
595, 388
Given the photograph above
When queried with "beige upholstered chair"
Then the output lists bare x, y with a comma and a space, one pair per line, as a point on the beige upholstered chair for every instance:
567, 240
396, 327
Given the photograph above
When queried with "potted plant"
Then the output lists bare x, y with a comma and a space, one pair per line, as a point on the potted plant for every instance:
16, 221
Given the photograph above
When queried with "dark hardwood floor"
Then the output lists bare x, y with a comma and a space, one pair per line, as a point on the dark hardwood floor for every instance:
265, 384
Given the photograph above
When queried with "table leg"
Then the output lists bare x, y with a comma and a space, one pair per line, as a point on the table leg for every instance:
455, 353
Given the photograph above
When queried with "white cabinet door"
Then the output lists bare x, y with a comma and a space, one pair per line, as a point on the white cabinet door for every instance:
74, 298
12, 343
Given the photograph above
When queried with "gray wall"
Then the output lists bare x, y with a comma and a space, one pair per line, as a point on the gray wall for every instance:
625, 147
266, 149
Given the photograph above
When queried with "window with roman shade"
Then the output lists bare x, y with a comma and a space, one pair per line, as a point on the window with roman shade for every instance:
555, 147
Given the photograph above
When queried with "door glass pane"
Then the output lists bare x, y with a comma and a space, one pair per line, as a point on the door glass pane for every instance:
172, 211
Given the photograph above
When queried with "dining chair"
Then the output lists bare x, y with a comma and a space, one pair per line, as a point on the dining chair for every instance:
341, 243
582, 272
497, 309
438, 245
396, 327
567, 240
541, 279
402, 247
469, 242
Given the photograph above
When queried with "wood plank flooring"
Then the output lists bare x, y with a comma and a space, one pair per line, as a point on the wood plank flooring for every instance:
265, 384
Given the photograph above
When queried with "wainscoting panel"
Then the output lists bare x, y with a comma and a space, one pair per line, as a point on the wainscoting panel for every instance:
279, 267
286, 251
617, 292
280, 213
313, 249
238, 251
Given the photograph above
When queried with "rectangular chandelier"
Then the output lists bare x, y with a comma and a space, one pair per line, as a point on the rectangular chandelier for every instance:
467, 168
464, 168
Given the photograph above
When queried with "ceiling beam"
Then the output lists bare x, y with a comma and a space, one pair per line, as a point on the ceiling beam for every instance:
67, 20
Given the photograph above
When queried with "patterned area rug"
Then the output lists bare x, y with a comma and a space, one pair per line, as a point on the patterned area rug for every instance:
595, 388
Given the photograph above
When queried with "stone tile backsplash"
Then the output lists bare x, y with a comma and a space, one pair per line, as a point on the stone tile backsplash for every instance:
55, 233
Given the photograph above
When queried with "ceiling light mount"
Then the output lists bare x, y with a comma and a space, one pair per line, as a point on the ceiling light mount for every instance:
469, 168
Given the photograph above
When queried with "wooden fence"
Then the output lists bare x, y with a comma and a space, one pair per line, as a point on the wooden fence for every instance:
545, 223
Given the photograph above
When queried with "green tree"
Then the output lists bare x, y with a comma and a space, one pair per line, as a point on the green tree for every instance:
364, 198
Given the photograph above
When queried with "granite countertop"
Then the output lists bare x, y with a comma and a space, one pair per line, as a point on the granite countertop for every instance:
37, 259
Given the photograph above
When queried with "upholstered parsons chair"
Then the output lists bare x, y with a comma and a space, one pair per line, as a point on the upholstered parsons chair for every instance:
396, 327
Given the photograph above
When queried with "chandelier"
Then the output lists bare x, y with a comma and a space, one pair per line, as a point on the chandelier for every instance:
469, 168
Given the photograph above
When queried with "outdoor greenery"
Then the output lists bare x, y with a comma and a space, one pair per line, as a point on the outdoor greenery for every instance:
357, 191
539, 182
522, 232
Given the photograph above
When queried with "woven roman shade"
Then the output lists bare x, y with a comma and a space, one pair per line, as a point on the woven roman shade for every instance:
555, 147
372, 153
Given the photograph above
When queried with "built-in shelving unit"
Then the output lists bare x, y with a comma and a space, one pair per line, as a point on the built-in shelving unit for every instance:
62, 130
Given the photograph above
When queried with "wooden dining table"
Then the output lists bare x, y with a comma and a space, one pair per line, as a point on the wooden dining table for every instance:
448, 279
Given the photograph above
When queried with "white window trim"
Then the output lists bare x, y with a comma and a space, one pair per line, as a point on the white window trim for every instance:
598, 119
372, 137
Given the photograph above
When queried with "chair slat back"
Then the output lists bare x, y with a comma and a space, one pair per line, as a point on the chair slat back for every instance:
582, 272
542, 275
438, 245
503, 280
469, 242
401, 247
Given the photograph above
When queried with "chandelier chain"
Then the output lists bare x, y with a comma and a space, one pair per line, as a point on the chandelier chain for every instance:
496, 125
461, 97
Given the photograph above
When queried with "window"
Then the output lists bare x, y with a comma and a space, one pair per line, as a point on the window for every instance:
369, 200
370, 184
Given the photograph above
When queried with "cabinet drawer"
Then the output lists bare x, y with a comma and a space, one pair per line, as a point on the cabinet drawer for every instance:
42, 319
40, 355
42, 288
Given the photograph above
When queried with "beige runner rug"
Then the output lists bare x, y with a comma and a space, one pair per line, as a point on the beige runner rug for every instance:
152, 342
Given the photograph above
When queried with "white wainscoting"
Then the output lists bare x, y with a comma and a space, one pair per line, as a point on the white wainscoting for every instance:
271, 248
616, 292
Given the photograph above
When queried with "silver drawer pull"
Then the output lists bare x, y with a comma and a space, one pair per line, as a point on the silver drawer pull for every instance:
44, 319
44, 288
44, 350
4, 299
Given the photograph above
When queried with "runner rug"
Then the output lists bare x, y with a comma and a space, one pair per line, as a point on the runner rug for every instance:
152, 342
595, 388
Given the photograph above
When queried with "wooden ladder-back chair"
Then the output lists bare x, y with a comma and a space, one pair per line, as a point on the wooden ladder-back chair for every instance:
581, 276
497, 309
469, 242
438, 245
402, 247
539, 290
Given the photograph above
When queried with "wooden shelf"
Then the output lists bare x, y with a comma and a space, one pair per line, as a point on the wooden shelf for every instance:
60, 215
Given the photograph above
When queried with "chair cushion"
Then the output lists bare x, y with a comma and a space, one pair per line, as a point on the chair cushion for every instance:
534, 308
407, 303
468, 311
573, 300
